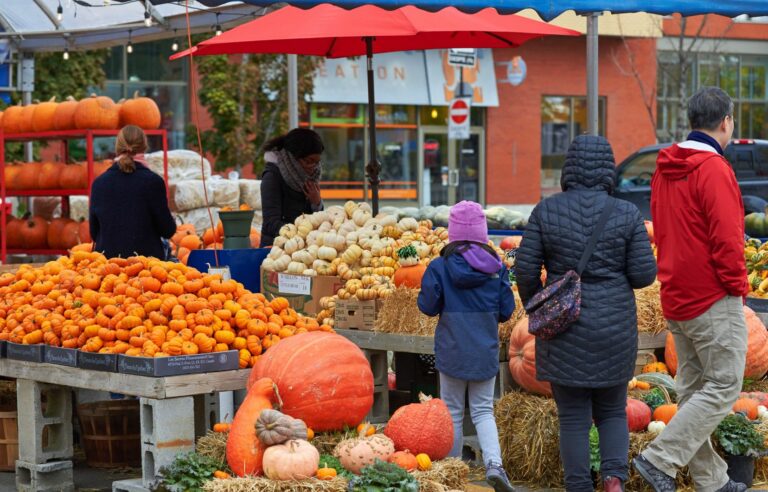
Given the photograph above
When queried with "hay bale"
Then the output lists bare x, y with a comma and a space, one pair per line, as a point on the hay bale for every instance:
325, 442
213, 445
261, 484
649, 315
451, 473
761, 385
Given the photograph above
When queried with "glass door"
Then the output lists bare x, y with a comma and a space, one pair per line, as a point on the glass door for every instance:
451, 170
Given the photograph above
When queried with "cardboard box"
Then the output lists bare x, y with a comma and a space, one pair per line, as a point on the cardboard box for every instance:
352, 314
61, 356
180, 364
302, 291
97, 362
31, 353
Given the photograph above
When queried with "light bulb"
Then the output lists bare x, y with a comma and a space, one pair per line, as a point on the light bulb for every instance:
129, 48
147, 19
175, 46
66, 54
434, 113
218, 30
59, 13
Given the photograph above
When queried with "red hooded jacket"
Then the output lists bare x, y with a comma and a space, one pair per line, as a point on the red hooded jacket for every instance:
698, 223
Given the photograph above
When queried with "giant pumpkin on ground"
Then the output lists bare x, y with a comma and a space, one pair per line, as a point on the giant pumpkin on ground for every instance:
324, 379
424, 427
757, 348
244, 450
522, 360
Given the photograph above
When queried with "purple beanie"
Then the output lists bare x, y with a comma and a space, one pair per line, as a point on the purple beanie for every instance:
466, 222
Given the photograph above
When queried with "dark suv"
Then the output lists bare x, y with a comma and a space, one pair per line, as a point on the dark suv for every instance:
749, 159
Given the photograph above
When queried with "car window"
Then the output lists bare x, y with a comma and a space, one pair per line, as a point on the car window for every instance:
761, 160
639, 171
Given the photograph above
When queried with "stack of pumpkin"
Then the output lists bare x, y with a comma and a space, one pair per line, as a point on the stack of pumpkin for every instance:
34, 233
91, 113
51, 175
142, 307
322, 382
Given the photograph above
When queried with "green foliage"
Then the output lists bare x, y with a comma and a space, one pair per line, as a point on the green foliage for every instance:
75, 77
384, 477
739, 437
594, 449
329, 461
187, 473
407, 252
654, 398
247, 100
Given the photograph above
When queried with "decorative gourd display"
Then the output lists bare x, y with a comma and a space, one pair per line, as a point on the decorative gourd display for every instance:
140, 111
294, 460
411, 270
274, 427
357, 453
424, 427
757, 348
244, 450
97, 113
638, 415
326, 380
522, 360
405, 460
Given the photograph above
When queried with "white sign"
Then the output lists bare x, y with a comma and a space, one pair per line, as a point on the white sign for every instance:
462, 57
458, 118
294, 284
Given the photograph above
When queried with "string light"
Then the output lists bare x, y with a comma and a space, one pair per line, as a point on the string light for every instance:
175, 45
147, 19
129, 48
66, 54
218, 26
59, 12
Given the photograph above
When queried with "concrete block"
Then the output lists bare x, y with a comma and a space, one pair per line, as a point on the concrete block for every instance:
133, 485
379, 413
54, 415
167, 429
47, 477
379, 365
471, 450
504, 381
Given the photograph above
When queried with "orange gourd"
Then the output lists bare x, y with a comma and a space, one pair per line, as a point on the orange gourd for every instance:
405, 460
522, 360
244, 450
747, 406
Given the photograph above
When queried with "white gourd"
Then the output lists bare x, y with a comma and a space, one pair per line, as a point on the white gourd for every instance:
336, 212
386, 219
326, 253
304, 227
312, 249
325, 227
268, 264
309, 272
349, 208
352, 237
303, 256
279, 241
275, 253
314, 238
338, 223
288, 230
347, 227
291, 246
365, 259
352, 254
408, 224
281, 264
320, 264
296, 267
360, 217
366, 207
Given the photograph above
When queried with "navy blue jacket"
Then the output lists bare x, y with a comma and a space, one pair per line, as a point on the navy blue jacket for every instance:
129, 213
471, 304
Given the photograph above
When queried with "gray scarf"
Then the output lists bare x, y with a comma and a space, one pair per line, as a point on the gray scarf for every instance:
292, 171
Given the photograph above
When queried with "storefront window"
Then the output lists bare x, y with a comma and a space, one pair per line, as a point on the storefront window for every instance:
438, 116
562, 119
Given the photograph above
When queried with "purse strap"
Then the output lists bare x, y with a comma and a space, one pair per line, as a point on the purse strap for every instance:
607, 209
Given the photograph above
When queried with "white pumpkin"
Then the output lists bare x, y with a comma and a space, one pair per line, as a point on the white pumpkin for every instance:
303, 256
314, 237
303, 226
386, 219
294, 460
336, 212
275, 253
281, 264
360, 217
279, 241
352, 254
326, 253
309, 272
408, 224
365, 207
656, 427
296, 267
762, 412
294, 244
350, 208
325, 227
268, 264
288, 230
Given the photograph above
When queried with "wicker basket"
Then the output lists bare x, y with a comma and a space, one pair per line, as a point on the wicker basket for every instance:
111, 433
9, 439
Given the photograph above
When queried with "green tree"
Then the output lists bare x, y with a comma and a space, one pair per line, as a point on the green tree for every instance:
247, 100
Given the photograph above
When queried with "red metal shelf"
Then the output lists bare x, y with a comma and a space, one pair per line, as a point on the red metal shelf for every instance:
49, 192
70, 134
36, 251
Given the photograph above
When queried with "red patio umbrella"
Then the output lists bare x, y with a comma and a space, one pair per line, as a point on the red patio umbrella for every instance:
334, 32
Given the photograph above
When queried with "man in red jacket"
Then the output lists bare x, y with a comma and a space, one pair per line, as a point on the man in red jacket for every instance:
698, 220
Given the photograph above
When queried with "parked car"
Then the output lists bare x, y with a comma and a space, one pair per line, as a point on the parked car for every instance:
749, 159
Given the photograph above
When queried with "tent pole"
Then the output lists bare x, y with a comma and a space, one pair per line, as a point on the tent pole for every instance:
293, 92
592, 74
373, 167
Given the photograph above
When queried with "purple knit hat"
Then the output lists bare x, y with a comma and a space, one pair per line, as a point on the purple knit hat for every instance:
466, 222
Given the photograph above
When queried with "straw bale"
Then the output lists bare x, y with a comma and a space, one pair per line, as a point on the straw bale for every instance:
451, 473
261, 484
649, 315
761, 385
213, 445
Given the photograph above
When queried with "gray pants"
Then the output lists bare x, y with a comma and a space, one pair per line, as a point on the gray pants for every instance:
711, 353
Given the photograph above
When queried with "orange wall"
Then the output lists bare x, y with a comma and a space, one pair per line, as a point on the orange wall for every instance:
557, 67
715, 26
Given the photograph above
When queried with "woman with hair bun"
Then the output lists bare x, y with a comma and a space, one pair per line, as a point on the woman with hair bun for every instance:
129, 212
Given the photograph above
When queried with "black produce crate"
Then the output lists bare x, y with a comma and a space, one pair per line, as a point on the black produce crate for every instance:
97, 362
31, 353
757, 304
3, 349
61, 356
180, 364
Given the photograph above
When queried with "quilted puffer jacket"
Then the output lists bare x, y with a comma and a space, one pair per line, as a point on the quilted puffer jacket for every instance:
599, 350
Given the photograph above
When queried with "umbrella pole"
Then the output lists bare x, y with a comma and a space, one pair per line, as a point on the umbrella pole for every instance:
373, 167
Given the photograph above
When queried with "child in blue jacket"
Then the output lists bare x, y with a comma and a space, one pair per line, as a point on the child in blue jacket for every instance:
468, 287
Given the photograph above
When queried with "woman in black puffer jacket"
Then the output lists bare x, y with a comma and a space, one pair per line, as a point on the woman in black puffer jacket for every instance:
590, 363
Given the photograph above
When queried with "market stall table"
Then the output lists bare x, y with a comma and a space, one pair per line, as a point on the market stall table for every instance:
171, 409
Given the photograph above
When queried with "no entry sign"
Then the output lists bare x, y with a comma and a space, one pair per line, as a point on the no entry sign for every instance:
458, 118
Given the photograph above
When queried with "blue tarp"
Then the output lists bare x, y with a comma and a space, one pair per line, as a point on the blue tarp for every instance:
549, 9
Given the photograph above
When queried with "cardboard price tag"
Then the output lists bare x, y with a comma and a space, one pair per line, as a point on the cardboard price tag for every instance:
294, 284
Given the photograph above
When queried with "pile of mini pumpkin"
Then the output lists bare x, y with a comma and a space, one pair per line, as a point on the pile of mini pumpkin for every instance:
51, 175
91, 113
141, 306
35, 233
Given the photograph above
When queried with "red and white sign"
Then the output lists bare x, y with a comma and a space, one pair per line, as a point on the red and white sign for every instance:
458, 118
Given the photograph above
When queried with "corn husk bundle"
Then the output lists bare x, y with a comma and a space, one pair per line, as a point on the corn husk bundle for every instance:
649, 315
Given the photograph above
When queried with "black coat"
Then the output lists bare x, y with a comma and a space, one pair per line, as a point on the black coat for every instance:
129, 213
280, 204
600, 349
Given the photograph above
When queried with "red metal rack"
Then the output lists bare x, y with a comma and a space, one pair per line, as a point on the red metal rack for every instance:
64, 137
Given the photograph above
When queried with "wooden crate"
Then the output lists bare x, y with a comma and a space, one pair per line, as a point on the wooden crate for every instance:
9, 439
111, 433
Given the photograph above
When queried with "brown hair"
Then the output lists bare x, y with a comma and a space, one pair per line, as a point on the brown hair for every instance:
130, 141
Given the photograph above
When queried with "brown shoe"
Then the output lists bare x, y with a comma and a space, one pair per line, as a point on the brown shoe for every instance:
613, 484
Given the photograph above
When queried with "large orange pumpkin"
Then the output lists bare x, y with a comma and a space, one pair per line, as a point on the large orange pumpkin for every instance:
522, 360
424, 427
97, 113
12, 119
244, 450
42, 118
140, 111
70, 235
10, 176
757, 348
73, 177
324, 379
84, 232
64, 115
13, 232
26, 178
26, 117
48, 177
409, 276
34, 233
54, 234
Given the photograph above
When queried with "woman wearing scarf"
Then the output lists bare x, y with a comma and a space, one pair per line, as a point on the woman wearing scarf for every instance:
290, 185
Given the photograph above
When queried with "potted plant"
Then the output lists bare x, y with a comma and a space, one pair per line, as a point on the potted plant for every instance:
742, 443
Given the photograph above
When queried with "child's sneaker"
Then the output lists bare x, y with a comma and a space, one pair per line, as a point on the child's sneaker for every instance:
497, 478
